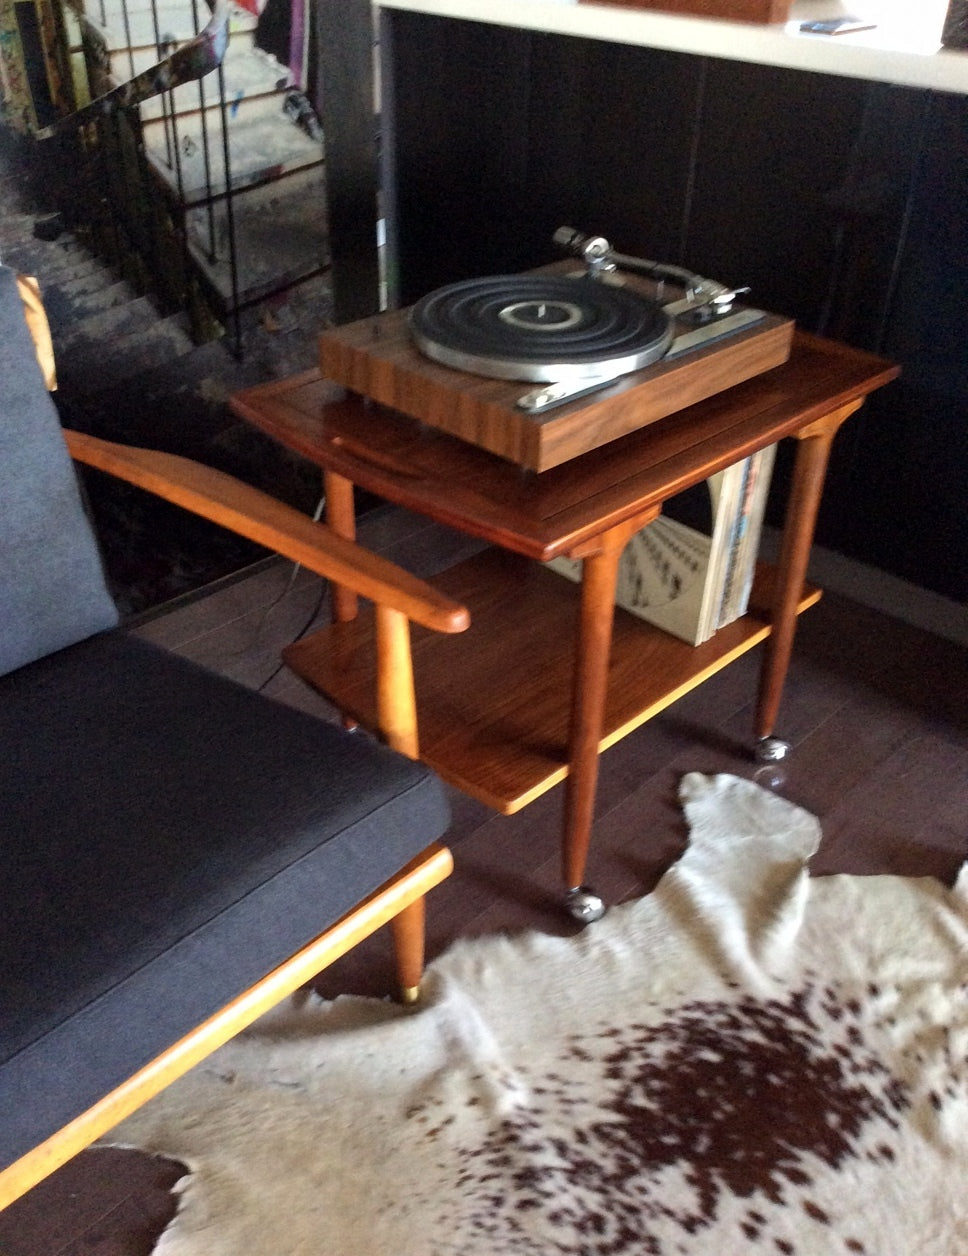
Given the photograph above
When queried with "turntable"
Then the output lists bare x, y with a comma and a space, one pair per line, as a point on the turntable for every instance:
542, 367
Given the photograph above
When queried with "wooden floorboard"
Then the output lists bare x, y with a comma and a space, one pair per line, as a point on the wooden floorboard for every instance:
878, 714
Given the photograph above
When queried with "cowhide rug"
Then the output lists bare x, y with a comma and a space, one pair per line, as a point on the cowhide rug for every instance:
745, 1061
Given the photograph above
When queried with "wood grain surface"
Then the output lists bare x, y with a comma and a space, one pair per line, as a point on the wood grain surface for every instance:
493, 704
544, 515
376, 358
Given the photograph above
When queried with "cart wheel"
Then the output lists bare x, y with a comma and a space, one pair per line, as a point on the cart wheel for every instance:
771, 750
583, 904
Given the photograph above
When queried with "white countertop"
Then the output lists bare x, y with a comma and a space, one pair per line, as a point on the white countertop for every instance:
903, 48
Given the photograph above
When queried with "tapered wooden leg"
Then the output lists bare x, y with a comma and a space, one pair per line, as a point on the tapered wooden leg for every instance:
409, 932
590, 686
396, 700
813, 453
341, 517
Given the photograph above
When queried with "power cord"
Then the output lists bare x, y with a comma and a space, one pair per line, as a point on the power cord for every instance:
316, 516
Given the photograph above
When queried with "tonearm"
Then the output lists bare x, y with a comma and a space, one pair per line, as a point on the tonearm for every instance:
701, 295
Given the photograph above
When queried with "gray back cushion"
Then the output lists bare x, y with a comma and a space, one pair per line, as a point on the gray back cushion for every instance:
52, 589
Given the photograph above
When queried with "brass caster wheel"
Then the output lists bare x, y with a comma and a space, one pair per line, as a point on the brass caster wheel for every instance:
771, 750
583, 905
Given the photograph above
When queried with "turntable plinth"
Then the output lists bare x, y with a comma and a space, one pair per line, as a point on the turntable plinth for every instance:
376, 358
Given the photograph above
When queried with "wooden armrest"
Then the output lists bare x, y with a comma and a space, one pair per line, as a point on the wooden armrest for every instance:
254, 514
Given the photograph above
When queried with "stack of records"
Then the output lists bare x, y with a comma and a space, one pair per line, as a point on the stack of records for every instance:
692, 577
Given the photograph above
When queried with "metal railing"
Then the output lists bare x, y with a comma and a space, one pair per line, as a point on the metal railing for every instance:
111, 191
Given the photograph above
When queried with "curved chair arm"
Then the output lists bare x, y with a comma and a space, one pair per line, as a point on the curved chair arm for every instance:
399, 597
261, 518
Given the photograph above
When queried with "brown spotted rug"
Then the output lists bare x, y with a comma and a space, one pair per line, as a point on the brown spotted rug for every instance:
748, 1060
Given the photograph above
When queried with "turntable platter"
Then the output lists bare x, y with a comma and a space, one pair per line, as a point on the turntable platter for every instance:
545, 328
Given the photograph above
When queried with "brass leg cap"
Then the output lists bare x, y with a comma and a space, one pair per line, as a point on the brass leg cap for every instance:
410, 994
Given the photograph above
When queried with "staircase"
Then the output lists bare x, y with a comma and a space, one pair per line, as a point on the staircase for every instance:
185, 201
128, 370
220, 176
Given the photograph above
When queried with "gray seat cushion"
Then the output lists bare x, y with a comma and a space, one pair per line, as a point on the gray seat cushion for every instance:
168, 838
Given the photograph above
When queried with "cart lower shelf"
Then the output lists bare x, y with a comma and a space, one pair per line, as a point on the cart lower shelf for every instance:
494, 702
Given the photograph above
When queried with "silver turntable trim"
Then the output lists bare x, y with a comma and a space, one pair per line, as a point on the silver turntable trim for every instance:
541, 315
543, 372
559, 392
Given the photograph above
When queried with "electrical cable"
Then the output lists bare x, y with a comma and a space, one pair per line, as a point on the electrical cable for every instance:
316, 516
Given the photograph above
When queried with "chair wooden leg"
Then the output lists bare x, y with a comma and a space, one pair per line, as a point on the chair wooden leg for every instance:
408, 939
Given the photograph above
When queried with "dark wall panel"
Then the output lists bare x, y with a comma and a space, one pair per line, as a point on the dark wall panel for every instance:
839, 202
500, 137
611, 138
343, 31
910, 492
772, 148
461, 100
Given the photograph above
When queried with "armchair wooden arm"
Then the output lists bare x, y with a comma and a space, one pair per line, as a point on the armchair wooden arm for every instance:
399, 596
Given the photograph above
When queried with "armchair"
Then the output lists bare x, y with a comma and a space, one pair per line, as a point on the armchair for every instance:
179, 852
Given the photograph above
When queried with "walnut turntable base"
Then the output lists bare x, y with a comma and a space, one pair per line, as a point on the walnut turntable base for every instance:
376, 358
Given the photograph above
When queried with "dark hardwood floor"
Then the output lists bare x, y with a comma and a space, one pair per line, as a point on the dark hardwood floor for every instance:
877, 711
